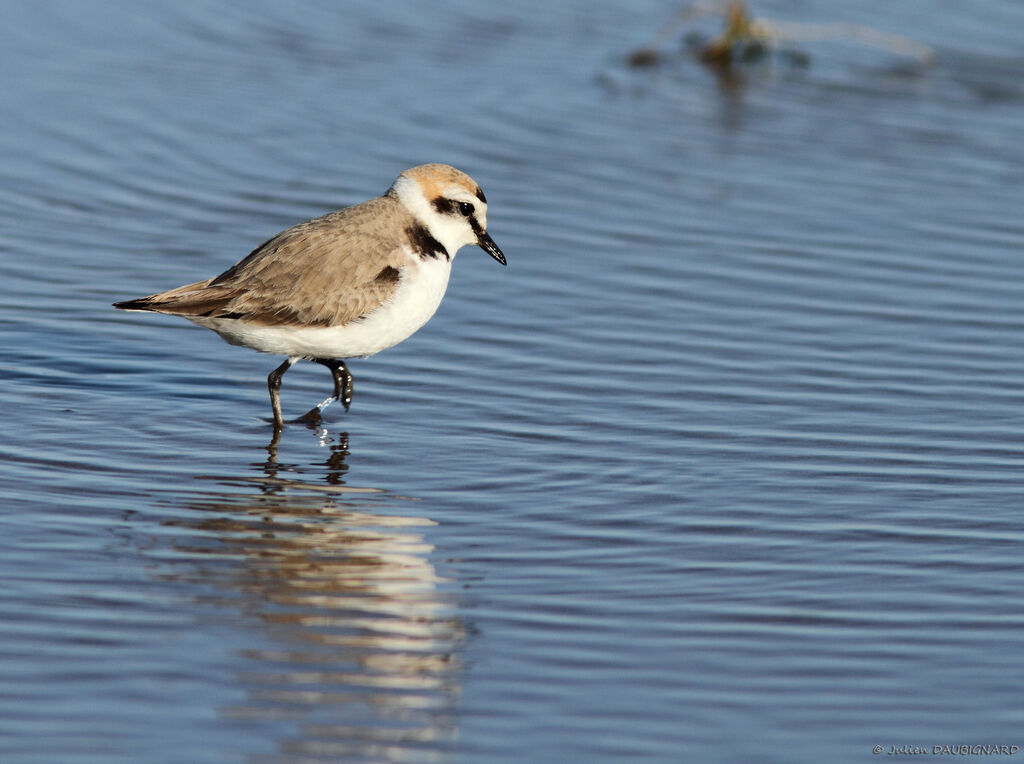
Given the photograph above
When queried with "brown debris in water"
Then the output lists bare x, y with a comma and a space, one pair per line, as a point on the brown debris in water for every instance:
745, 39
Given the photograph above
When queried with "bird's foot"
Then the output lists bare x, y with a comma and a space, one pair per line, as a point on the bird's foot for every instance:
314, 415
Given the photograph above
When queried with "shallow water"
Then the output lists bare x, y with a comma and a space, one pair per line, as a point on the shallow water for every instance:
725, 466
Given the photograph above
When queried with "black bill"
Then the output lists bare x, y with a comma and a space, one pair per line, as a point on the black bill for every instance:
487, 244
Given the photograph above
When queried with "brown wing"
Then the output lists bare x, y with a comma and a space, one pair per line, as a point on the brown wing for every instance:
324, 272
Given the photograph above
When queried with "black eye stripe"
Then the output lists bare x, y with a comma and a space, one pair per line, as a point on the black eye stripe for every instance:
450, 207
444, 206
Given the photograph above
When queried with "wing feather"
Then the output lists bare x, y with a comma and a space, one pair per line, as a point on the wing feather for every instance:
328, 271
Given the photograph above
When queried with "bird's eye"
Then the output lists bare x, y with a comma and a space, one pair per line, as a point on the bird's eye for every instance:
466, 208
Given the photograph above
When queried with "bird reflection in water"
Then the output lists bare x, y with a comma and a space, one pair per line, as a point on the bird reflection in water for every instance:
359, 641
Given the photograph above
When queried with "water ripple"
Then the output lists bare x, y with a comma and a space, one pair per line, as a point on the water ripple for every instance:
728, 457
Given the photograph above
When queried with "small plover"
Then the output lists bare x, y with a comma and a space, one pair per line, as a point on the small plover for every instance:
348, 284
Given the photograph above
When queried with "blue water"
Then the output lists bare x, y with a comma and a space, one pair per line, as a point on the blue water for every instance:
726, 466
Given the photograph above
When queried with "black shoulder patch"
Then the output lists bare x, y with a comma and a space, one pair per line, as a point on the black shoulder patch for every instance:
480, 195
444, 206
423, 244
387, 275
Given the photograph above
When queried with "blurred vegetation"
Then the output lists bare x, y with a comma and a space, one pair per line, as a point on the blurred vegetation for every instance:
746, 40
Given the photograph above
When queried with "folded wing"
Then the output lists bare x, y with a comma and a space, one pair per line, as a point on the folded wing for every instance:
329, 271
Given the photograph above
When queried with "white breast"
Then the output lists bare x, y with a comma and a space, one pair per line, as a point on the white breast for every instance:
421, 286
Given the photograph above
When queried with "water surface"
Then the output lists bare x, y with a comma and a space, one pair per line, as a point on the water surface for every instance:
726, 466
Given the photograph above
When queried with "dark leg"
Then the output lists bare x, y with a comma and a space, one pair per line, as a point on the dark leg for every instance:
274, 384
342, 387
342, 380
